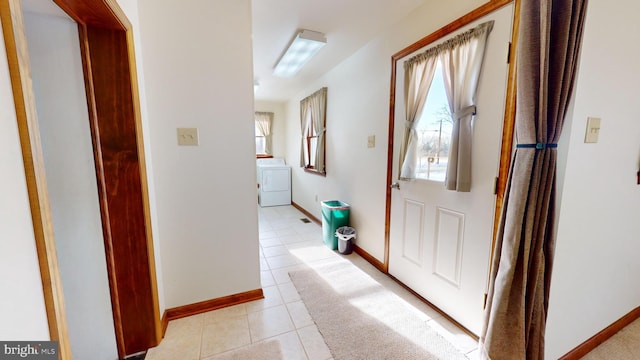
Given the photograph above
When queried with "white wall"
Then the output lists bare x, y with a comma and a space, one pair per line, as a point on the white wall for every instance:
198, 73
278, 130
596, 266
357, 107
21, 305
56, 71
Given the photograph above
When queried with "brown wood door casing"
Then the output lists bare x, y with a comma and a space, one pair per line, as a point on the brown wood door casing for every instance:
106, 41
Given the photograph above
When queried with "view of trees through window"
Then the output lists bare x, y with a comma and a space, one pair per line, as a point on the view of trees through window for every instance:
434, 132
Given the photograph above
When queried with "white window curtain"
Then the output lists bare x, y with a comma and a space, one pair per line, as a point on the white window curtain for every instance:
264, 122
461, 59
461, 65
418, 76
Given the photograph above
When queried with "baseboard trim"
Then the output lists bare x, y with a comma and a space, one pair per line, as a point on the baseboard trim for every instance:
306, 213
208, 305
434, 307
597, 339
372, 260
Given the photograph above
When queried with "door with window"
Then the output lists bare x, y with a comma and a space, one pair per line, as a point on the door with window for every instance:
440, 240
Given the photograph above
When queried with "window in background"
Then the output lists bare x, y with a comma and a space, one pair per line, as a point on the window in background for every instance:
263, 124
312, 124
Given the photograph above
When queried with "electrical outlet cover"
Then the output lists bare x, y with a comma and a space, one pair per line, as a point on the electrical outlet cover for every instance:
188, 136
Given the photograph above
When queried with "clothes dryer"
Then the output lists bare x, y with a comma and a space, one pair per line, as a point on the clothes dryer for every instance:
274, 182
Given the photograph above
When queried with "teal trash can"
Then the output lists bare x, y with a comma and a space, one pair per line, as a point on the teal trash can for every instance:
335, 214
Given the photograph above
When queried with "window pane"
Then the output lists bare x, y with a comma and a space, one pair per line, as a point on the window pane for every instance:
313, 142
260, 145
434, 132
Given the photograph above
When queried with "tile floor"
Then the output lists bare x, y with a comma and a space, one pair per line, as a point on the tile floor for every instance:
286, 243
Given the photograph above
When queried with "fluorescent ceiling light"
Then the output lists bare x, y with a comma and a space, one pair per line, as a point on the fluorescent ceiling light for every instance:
303, 47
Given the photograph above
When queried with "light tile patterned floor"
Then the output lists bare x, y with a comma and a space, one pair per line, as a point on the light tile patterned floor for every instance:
286, 243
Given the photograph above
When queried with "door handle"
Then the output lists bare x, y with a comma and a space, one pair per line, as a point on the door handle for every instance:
395, 185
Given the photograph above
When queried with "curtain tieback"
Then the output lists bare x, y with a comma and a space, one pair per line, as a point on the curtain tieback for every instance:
469, 110
537, 146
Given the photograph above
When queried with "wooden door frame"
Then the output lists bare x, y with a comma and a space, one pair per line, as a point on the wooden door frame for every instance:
509, 112
102, 26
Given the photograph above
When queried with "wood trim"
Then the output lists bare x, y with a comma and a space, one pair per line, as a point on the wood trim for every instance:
370, 259
508, 131
129, 249
455, 25
597, 339
306, 213
316, 172
146, 206
102, 186
213, 304
99, 13
106, 42
165, 323
24, 100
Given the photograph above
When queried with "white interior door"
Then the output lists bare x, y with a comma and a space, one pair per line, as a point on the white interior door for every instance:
440, 240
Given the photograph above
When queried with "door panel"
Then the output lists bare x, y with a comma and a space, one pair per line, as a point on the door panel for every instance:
448, 245
413, 234
440, 240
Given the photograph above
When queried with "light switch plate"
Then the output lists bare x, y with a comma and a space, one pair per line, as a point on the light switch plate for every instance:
188, 136
371, 141
593, 130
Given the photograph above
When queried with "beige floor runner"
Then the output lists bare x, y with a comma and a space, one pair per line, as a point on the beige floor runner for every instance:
360, 319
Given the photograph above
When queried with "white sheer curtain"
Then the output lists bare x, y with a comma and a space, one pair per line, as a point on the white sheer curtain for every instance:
264, 122
418, 76
461, 64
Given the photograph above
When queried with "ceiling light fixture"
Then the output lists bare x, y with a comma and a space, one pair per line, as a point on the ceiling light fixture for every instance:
303, 47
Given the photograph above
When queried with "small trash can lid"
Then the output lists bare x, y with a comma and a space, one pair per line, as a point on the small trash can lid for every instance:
345, 233
346, 230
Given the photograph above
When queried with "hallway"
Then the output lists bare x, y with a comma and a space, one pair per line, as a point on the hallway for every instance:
286, 244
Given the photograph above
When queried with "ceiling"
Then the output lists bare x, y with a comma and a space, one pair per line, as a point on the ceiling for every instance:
347, 24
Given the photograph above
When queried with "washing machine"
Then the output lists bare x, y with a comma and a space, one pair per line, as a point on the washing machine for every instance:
274, 182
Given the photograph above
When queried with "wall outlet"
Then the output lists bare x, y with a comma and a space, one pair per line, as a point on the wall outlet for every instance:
188, 136
316, 198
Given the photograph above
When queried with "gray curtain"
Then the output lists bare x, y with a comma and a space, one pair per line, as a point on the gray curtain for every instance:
516, 311
461, 66
264, 122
